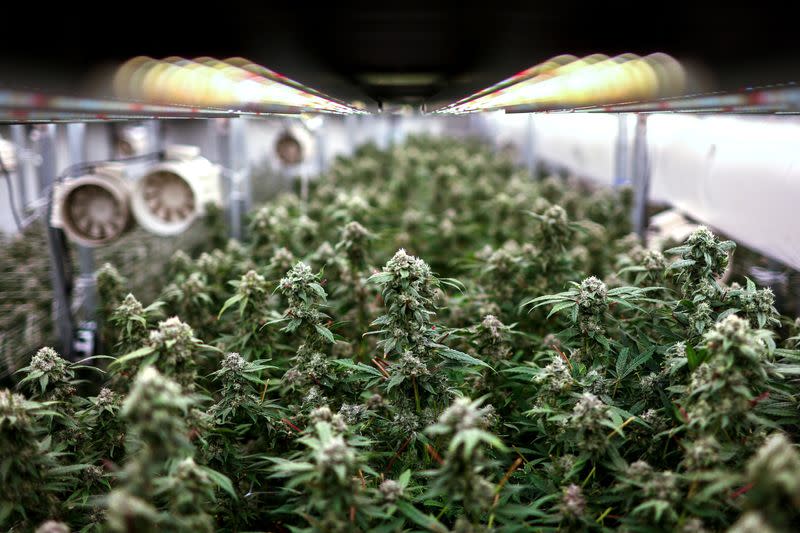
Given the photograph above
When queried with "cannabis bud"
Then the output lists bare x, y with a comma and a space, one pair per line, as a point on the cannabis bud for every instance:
47, 361
555, 377
662, 486
174, 339
252, 284
703, 259
587, 419
282, 260
573, 503
233, 362
106, 397
701, 453
194, 285
410, 365
353, 241
464, 414
352, 413
653, 261
321, 414
48, 369
335, 453
693, 525
593, 296
554, 227
639, 471
375, 401
775, 468
391, 490
404, 266
492, 325
12, 410
180, 263
157, 407
752, 522
110, 285
129, 307
52, 526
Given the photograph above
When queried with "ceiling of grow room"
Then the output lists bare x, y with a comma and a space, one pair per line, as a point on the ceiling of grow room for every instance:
394, 53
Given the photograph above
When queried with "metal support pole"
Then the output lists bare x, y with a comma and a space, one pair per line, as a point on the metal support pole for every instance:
351, 126
242, 166
60, 267
320, 141
231, 149
391, 134
155, 134
76, 144
530, 146
621, 157
23, 163
641, 177
221, 128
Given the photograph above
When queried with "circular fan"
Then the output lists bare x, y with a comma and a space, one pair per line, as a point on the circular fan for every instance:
168, 197
289, 149
171, 195
94, 210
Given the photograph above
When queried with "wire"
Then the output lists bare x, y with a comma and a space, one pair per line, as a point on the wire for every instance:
91, 165
9, 182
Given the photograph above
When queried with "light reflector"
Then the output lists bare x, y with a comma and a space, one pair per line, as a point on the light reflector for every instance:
234, 83
566, 82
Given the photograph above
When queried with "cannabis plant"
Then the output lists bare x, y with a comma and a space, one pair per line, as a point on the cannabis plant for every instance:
289, 383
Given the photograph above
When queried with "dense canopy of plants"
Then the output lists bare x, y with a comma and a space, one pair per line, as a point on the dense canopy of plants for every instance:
436, 341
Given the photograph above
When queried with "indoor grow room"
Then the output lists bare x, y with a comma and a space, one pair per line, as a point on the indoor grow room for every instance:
437, 271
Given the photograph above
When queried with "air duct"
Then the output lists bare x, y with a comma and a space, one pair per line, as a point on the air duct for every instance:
173, 194
8, 155
294, 145
93, 209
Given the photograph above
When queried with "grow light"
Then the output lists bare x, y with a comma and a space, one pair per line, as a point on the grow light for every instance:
568, 82
234, 83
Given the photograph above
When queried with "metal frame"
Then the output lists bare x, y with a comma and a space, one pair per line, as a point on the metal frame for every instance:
641, 177
621, 156
60, 263
231, 141
19, 107
76, 146
530, 146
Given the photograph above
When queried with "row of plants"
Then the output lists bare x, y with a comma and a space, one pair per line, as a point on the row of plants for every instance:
435, 341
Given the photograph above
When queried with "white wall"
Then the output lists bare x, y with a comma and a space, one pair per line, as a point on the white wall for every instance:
738, 174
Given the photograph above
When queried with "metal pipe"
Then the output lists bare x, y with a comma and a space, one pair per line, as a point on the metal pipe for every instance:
621, 157
530, 146
23, 167
60, 267
641, 177
242, 166
76, 145
227, 157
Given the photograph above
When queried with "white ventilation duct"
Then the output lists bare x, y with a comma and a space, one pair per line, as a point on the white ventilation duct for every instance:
8, 155
173, 194
132, 140
295, 145
93, 209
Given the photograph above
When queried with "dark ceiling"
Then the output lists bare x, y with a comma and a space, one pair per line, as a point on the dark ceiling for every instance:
357, 51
